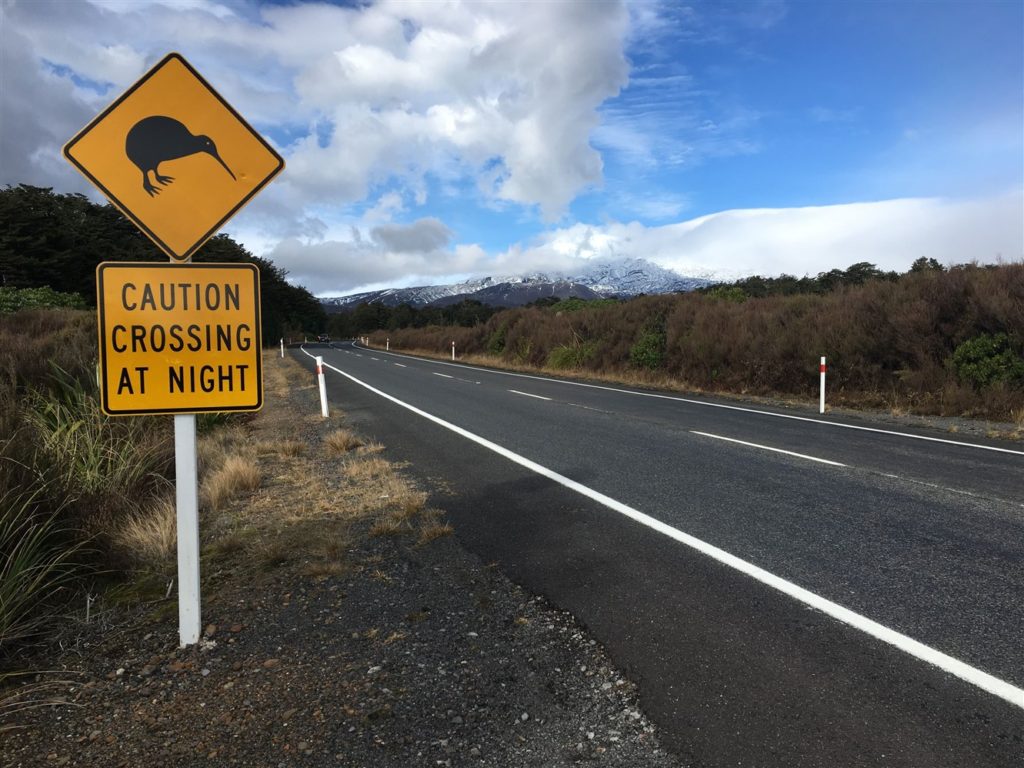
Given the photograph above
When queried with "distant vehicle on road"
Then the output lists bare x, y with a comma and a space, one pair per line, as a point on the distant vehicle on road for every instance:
323, 338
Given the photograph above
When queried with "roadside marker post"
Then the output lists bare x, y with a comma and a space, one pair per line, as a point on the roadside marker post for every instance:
453, 350
387, 347
821, 398
322, 383
188, 343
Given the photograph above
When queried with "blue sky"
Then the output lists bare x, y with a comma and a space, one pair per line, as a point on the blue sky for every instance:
429, 142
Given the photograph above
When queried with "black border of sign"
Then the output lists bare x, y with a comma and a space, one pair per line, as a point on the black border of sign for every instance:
123, 208
101, 328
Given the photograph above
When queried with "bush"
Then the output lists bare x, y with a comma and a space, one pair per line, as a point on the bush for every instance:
987, 359
15, 299
571, 356
496, 341
649, 351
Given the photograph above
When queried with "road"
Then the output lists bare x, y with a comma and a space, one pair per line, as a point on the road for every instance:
786, 590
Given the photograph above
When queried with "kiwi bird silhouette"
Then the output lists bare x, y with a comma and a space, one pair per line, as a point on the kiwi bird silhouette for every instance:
155, 139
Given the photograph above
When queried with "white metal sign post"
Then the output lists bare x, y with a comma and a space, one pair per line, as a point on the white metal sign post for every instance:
186, 481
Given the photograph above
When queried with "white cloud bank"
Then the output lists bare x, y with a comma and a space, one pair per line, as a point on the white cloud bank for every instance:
802, 241
504, 94
889, 233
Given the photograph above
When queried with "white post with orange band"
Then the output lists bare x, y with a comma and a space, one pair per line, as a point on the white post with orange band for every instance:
323, 386
821, 400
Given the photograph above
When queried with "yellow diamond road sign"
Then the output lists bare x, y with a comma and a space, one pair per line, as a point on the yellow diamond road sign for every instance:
174, 157
179, 338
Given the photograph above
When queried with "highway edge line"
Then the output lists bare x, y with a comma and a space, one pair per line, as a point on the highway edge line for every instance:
978, 678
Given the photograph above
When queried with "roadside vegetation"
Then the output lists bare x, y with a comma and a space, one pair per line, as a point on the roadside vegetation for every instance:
933, 341
87, 508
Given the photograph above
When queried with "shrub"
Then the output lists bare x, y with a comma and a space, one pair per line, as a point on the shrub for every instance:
648, 351
569, 356
496, 341
16, 299
987, 359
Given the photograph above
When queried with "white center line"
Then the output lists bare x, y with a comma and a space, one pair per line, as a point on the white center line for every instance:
400, 365
527, 394
443, 375
1001, 688
769, 448
375, 358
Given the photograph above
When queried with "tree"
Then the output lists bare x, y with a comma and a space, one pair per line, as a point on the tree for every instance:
56, 241
926, 265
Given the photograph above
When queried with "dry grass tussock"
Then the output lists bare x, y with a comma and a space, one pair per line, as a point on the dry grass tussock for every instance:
150, 537
238, 474
368, 469
342, 441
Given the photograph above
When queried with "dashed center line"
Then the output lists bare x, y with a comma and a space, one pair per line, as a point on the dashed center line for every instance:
443, 375
527, 394
769, 448
401, 366
375, 358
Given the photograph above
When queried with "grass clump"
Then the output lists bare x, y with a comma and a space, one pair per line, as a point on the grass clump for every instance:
237, 474
342, 441
151, 538
39, 562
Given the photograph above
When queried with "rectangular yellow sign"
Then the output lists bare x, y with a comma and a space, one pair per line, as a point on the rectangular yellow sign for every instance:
179, 338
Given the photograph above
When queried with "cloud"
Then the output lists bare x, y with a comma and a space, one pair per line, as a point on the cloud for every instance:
890, 234
421, 236
504, 94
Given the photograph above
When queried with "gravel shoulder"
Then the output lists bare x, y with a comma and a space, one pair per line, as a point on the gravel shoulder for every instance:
344, 628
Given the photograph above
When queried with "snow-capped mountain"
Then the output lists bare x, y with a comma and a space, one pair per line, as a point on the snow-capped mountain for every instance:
626, 277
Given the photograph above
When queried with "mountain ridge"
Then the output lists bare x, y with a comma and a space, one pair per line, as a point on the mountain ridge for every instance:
604, 279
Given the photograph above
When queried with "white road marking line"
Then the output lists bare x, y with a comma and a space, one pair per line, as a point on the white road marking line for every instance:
375, 358
589, 408
729, 407
769, 448
443, 375
527, 394
401, 366
938, 487
972, 675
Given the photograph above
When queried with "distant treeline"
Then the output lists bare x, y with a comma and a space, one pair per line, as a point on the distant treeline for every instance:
378, 316
934, 340
54, 241
757, 287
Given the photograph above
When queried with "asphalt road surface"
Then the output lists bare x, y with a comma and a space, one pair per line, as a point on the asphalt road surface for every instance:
786, 590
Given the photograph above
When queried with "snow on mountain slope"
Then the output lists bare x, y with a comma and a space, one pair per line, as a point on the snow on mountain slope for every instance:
626, 277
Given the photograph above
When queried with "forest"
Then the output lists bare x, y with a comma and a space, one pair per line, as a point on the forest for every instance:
53, 242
